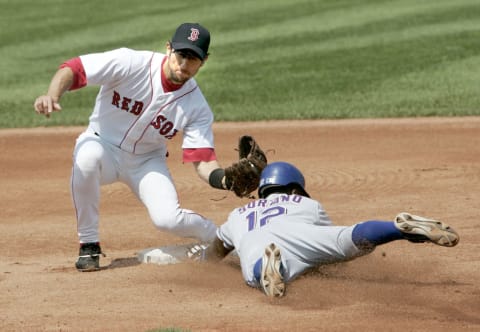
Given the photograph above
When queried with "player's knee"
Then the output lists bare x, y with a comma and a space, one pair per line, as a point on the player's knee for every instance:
165, 220
88, 156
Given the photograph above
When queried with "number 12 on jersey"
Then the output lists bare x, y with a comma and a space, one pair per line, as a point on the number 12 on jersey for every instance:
257, 219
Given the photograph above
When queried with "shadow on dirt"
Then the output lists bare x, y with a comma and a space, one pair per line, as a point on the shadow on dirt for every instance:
122, 262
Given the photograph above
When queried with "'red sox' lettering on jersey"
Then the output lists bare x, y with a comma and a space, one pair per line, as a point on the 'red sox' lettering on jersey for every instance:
142, 116
164, 126
125, 104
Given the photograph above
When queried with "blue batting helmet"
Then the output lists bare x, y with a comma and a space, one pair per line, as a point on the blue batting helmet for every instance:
281, 174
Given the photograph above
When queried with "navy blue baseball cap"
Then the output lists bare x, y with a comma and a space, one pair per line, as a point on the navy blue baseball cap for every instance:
192, 36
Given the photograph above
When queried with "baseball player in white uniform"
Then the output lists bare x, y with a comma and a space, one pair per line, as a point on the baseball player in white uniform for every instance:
145, 100
285, 232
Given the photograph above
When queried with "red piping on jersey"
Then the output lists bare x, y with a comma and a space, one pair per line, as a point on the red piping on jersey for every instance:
145, 108
159, 111
73, 194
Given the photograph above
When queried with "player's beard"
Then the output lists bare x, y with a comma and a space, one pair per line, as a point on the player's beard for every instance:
173, 77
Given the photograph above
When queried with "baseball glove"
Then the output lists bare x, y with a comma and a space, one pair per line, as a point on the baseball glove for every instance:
243, 176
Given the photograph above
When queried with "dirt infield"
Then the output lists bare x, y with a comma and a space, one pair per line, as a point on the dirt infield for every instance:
359, 169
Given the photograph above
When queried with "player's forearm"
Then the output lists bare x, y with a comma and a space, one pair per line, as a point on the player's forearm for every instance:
212, 173
48, 103
60, 83
205, 168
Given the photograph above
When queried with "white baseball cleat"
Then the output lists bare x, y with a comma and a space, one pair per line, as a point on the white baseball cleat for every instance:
271, 280
420, 229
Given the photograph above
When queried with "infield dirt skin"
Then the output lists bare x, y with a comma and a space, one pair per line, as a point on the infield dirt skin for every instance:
359, 169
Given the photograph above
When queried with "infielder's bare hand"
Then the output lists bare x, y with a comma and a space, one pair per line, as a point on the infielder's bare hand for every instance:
46, 105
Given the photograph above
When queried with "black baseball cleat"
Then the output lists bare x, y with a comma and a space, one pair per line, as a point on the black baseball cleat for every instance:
420, 229
89, 257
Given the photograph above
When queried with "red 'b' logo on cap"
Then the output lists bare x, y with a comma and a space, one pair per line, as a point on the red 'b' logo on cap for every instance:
193, 34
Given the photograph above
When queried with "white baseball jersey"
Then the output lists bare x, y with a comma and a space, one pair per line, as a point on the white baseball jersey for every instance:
133, 112
298, 225
126, 139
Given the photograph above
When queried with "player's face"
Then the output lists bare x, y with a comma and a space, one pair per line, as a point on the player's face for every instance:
181, 65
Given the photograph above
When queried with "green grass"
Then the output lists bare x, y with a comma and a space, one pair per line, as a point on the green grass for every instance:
277, 59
